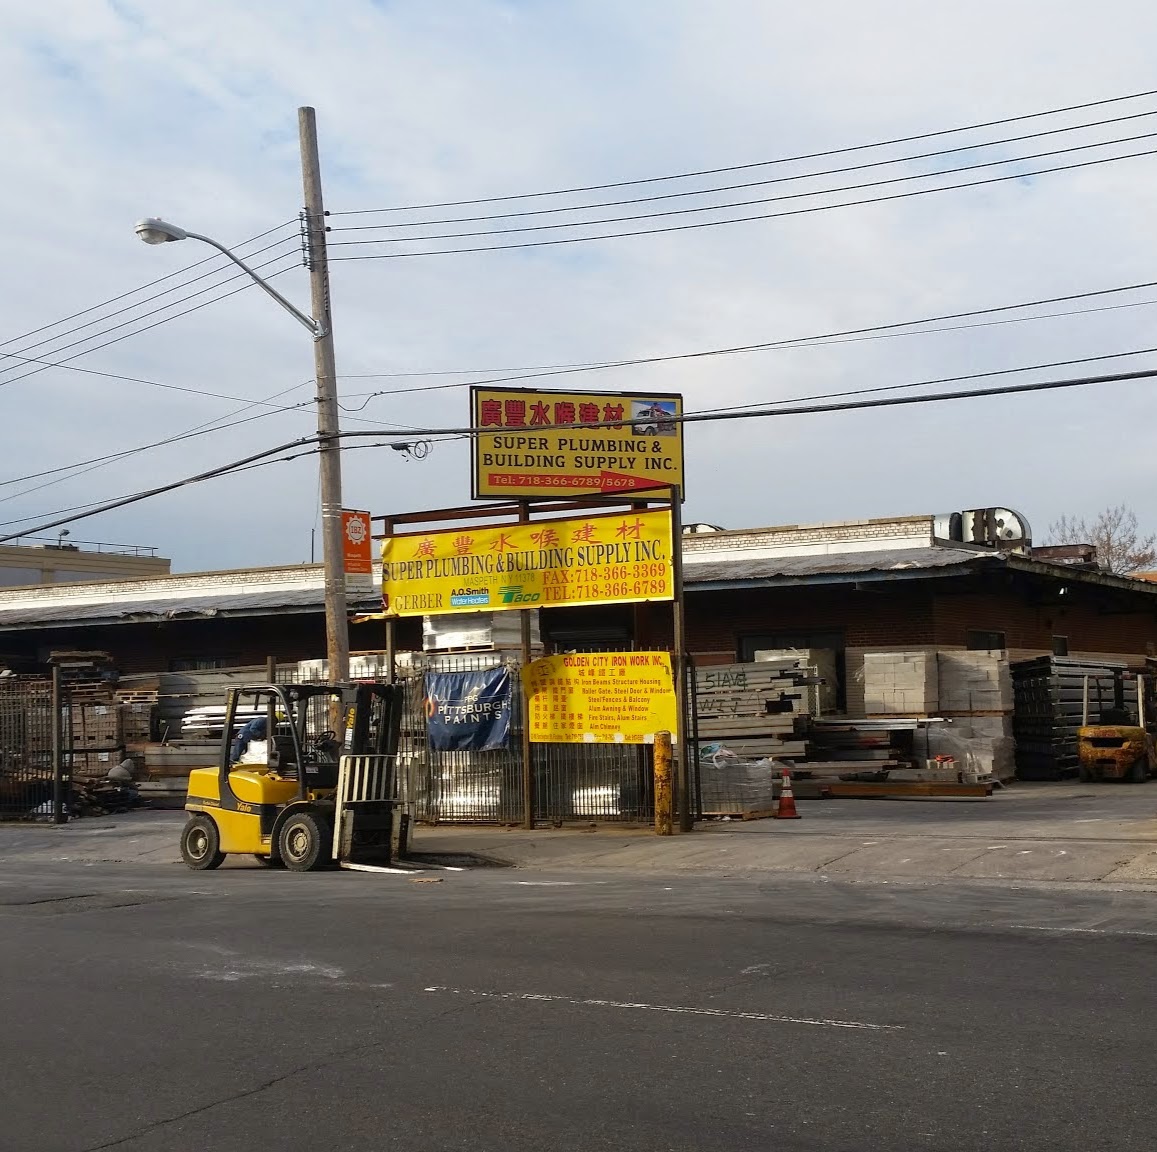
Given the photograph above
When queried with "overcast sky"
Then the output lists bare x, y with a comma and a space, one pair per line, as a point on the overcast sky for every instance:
187, 110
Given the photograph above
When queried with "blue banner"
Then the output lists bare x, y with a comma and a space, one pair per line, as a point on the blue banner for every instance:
468, 711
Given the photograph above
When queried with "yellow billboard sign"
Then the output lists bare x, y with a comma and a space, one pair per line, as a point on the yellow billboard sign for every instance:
531, 443
603, 559
600, 698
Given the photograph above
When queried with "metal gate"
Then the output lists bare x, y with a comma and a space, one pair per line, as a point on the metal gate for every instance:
572, 782
28, 730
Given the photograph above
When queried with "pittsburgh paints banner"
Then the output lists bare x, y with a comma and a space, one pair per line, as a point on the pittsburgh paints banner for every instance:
604, 559
468, 711
600, 698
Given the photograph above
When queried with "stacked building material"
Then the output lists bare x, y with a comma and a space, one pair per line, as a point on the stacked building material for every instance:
1049, 694
851, 747
976, 697
750, 717
900, 683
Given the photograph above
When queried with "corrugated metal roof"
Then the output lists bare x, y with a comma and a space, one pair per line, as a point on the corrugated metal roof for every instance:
200, 607
792, 568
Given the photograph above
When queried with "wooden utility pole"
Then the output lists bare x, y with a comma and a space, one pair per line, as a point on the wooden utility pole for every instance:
337, 642
527, 747
664, 797
679, 669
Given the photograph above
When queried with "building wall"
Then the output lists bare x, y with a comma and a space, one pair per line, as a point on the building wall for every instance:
51, 565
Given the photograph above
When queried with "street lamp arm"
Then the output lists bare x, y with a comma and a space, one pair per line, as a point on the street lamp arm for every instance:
316, 327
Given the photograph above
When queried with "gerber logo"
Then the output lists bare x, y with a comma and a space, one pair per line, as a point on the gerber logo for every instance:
513, 594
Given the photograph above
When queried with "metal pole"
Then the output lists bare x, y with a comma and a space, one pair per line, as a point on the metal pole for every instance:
391, 632
58, 814
527, 762
686, 816
337, 640
664, 799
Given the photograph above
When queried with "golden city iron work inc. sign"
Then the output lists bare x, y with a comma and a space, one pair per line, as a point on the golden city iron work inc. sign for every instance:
531, 443
600, 698
600, 559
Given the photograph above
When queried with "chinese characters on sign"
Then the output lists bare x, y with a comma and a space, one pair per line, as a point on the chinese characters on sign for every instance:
600, 697
531, 443
603, 559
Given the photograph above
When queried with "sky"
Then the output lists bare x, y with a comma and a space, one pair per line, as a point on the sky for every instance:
188, 111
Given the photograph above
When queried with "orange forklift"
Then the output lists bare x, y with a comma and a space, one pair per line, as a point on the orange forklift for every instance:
1121, 745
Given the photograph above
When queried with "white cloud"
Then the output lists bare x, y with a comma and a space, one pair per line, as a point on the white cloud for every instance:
187, 110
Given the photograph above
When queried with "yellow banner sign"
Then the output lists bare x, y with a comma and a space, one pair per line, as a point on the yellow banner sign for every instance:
531, 443
603, 559
600, 698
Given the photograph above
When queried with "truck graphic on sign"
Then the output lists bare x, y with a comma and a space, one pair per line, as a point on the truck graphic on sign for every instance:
653, 417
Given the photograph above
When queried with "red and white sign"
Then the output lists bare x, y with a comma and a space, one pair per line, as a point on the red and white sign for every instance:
357, 551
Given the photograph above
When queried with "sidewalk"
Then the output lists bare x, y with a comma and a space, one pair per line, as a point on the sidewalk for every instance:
1065, 833
1027, 833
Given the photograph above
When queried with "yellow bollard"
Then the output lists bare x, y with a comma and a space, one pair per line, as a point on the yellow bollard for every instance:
664, 796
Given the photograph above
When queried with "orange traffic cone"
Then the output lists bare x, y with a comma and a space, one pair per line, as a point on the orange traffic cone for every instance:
785, 809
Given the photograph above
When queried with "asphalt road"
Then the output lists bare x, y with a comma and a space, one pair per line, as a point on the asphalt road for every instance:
157, 1009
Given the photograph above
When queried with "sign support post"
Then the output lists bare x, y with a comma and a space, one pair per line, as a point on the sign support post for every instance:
391, 629
679, 662
527, 763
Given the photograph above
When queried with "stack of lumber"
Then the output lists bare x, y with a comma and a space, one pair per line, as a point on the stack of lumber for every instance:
750, 716
754, 710
854, 747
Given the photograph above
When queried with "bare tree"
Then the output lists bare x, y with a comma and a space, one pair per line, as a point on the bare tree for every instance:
1120, 546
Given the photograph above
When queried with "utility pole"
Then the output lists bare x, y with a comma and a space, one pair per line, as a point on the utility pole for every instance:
337, 641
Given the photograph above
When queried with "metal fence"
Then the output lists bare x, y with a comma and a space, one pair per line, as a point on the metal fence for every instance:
28, 724
572, 782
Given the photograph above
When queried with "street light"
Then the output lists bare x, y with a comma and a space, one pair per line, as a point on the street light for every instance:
155, 231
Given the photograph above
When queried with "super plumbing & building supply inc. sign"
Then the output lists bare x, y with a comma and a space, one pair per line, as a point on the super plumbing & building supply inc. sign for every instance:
600, 559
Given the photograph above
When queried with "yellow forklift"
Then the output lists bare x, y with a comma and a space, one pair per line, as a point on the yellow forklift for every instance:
1120, 745
291, 791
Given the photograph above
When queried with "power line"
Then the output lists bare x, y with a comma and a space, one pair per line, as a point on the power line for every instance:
758, 200
136, 319
151, 283
140, 303
686, 418
877, 331
772, 180
746, 219
758, 163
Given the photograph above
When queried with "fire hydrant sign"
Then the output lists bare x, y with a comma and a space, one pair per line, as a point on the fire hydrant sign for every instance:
531, 443
603, 559
600, 698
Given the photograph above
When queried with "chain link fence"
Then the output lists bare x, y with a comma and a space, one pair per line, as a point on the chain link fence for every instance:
27, 730
572, 782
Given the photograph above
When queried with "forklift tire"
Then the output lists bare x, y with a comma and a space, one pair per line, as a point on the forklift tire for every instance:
201, 843
304, 842
1084, 775
1138, 771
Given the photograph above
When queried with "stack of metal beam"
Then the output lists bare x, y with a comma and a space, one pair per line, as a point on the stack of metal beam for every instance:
1049, 692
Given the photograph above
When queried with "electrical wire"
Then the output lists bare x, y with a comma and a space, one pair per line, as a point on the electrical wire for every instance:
140, 303
781, 179
734, 220
136, 319
757, 163
873, 332
267, 455
151, 283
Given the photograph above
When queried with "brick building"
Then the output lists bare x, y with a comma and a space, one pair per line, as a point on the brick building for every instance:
871, 585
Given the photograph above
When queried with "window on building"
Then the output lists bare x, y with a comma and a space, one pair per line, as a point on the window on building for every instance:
1060, 645
980, 640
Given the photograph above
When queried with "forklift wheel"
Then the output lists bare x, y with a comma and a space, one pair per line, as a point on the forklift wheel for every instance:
1138, 771
201, 843
304, 843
